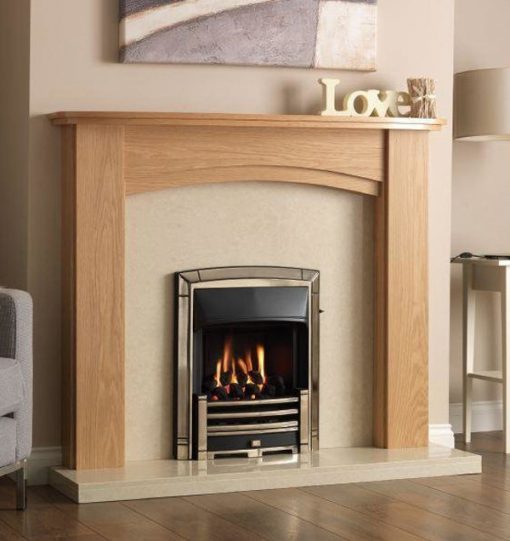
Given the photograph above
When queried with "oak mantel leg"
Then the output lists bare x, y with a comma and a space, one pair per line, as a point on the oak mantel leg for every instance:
93, 296
401, 334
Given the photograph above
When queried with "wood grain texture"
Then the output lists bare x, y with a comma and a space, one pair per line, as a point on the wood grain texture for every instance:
462, 511
68, 292
216, 175
263, 520
158, 157
403, 516
113, 520
180, 517
345, 522
99, 284
125, 118
380, 380
401, 382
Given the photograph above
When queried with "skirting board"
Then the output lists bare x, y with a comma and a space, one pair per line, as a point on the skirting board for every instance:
168, 478
442, 435
487, 416
40, 462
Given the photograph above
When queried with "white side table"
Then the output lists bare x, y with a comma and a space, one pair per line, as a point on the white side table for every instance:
485, 275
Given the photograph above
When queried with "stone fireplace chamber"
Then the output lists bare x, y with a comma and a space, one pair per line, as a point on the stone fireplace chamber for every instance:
238, 381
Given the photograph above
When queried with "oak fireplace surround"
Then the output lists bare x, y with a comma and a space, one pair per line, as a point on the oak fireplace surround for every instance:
108, 156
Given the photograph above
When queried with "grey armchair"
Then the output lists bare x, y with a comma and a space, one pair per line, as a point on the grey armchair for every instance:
15, 386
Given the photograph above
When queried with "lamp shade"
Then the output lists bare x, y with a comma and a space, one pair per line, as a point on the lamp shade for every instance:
482, 105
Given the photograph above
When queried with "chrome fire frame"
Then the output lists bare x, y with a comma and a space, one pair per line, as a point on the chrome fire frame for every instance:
222, 277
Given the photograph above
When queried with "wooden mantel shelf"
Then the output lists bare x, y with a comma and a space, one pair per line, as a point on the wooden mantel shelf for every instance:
247, 120
107, 156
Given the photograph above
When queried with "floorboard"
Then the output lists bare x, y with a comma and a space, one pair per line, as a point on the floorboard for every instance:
348, 523
390, 511
462, 508
451, 507
190, 521
262, 519
471, 489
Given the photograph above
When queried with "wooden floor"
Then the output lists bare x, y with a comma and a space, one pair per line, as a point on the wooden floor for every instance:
472, 507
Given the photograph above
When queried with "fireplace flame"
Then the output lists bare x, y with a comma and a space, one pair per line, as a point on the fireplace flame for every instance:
242, 366
228, 368
234, 375
249, 364
218, 372
227, 354
261, 359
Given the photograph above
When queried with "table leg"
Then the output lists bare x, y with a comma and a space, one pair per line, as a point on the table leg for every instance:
505, 334
468, 346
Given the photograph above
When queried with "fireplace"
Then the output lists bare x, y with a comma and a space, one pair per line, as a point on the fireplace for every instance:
247, 367
108, 156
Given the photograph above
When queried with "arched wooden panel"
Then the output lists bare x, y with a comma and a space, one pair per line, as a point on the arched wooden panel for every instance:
162, 157
248, 173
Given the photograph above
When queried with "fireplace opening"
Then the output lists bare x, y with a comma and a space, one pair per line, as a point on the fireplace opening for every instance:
254, 361
247, 374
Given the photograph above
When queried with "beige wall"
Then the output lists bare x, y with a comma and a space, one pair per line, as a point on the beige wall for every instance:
73, 66
249, 224
14, 70
480, 189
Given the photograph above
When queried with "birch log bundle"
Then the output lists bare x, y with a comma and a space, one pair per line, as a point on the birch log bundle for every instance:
423, 97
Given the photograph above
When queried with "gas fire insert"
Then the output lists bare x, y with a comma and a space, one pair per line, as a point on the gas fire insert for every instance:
247, 368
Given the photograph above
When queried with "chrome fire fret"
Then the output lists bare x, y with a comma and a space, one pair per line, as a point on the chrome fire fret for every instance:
229, 426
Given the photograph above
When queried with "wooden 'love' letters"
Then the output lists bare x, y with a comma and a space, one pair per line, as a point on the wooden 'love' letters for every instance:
380, 103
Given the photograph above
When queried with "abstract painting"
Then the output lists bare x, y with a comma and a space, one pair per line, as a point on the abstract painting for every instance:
337, 34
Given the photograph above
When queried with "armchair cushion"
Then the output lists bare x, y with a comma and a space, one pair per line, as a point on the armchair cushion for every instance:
12, 386
8, 440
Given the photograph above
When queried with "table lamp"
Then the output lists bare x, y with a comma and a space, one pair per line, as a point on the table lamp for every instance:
482, 105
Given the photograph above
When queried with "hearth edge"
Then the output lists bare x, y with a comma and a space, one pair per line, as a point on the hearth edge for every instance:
346, 465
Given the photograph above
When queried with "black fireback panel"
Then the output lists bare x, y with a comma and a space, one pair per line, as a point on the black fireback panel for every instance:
266, 441
220, 306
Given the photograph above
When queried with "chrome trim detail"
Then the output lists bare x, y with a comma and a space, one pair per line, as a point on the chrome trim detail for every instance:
248, 414
21, 487
314, 369
19, 469
254, 432
182, 451
201, 405
264, 402
258, 452
229, 273
258, 427
190, 276
312, 276
304, 421
183, 417
250, 282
